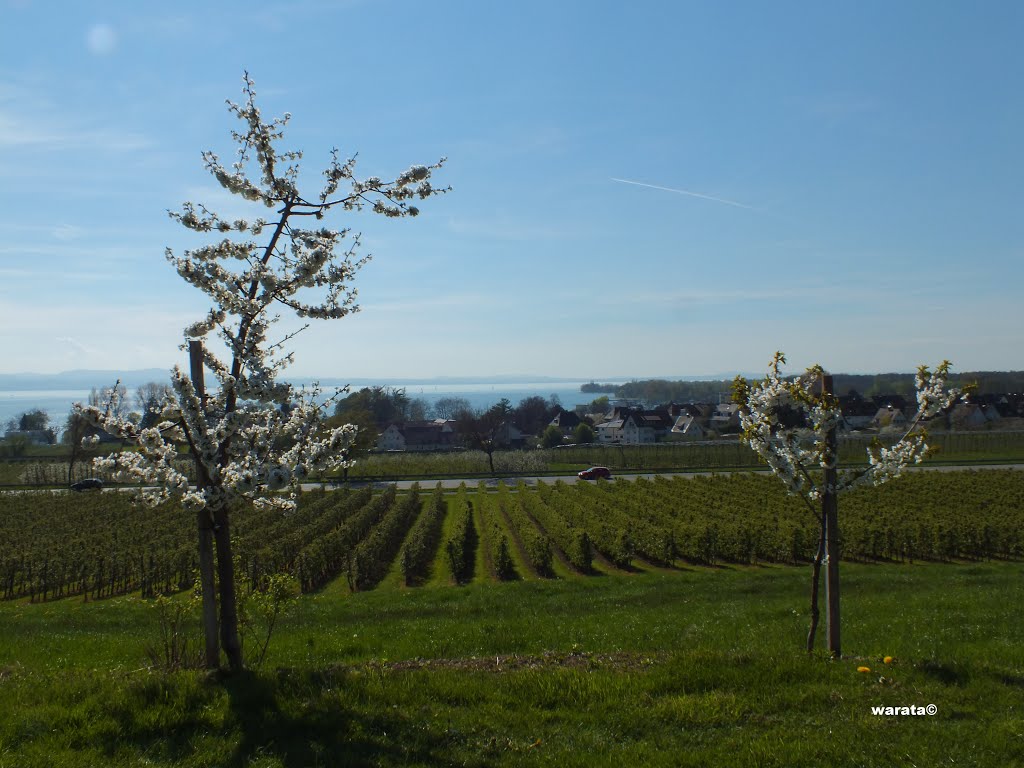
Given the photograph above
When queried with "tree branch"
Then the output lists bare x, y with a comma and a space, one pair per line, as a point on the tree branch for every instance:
288, 337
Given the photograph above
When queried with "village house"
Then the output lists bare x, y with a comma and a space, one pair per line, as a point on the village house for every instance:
893, 401
508, 435
1010, 405
566, 421
972, 415
857, 412
888, 417
34, 436
609, 432
635, 431
634, 427
699, 411
437, 435
657, 420
725, 418
687, 427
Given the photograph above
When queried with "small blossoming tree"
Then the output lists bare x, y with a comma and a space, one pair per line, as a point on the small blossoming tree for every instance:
253, 434
791, 424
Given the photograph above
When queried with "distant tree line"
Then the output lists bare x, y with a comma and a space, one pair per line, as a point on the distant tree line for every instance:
379, 406
868, 385
29, 427
17, 441
664, 391
373, 408
35, 420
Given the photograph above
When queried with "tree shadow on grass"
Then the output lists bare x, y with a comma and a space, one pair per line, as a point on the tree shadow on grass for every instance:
1011, 679
945, 673
299, 719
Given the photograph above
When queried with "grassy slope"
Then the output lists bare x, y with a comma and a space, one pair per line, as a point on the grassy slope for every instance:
696, 667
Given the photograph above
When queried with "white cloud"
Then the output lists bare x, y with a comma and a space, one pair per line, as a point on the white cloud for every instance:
708, 296
19, 272
48, 274
55, 336
75, 344
47, 256
52, 134
101, 39
33, 115
67, 232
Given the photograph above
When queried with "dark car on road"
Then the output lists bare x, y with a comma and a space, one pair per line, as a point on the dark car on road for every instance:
88, 484
594, 472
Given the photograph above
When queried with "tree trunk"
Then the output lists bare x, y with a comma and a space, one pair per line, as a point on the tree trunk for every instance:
830, 517
205, 523
207, 583
815, 584
832, 573
228, 603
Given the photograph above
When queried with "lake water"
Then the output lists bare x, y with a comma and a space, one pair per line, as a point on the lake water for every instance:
57, 403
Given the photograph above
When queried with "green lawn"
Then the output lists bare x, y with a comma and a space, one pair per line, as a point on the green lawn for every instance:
692, 667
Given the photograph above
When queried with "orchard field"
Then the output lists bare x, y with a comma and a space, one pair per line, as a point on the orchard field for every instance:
95, 546
619, 623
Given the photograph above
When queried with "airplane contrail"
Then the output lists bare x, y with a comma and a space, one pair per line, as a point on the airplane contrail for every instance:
687, 192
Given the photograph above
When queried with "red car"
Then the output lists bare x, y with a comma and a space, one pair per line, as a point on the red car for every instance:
595, 472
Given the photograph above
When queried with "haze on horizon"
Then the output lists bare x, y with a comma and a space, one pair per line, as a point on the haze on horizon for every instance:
840, 183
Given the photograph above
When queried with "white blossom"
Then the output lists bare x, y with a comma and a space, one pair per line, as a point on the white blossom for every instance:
244, 443
797, 451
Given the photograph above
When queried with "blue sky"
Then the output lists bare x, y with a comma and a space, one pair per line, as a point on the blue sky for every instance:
865, 161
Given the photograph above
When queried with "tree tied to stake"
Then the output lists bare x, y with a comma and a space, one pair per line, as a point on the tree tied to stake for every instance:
791, 424
254, 435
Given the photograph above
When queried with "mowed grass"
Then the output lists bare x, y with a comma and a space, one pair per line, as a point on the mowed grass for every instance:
693, 667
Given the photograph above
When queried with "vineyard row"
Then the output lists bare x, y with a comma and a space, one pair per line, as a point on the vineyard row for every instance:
61, 545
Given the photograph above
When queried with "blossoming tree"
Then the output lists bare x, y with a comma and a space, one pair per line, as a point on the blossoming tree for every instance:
791, 424
253, 435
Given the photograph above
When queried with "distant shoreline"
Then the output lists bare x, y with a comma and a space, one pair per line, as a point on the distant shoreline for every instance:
76, 380
57, 402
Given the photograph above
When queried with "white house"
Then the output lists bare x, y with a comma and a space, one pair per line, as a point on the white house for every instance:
687, 428
610, 431
889, 417
391, 439
972, 415
725, 416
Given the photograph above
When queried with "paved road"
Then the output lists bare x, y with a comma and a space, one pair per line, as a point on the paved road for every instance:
471, 482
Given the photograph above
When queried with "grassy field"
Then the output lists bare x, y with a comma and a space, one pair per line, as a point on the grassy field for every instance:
678, 667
